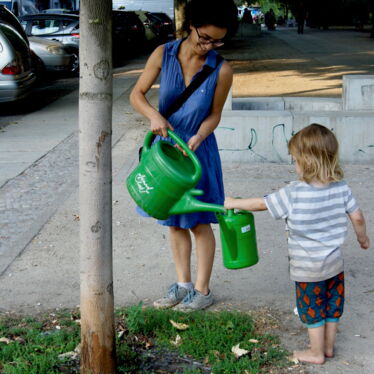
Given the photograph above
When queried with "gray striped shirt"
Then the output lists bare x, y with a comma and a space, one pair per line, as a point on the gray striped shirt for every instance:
316, 218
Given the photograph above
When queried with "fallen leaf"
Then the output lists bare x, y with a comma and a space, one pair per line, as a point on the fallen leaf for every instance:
229, 325
253, 340
238, 352
179, 326
68, 355
148, 344
293, 359
5, 340
76, 217
216, 354
177, 341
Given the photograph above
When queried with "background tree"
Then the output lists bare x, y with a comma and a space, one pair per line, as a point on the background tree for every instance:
179, 7
95, 188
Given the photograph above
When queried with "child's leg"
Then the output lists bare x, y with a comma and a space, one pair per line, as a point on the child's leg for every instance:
330, 335
316, 353
335, 308
311, 303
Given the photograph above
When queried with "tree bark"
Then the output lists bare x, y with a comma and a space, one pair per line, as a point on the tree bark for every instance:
95, 188
179, 6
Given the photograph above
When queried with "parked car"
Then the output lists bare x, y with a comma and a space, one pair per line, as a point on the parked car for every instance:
151, 31
128, 33
61, 27
52, 56
19, 7
16, 76
167, 26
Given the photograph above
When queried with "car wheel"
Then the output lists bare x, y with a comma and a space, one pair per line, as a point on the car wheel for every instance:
74, 63
37, 66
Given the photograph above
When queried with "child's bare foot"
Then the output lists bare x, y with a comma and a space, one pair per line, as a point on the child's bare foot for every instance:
309, 356
329, 353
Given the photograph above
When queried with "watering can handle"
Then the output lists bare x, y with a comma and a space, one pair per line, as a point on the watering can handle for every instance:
148, 142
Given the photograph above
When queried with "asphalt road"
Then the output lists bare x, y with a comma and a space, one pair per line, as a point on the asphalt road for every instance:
46, 92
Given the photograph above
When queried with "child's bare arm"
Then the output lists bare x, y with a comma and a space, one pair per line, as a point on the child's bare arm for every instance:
253, 204
359, 225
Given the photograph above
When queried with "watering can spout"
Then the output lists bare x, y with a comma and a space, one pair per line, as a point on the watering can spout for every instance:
188, 204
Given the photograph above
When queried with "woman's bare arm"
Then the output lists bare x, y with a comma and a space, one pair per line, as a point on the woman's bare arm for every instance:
159, 124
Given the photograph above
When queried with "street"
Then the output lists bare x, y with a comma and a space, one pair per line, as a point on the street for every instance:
39, 207
48, 91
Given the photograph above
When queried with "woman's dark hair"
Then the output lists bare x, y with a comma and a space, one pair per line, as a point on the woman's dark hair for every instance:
219, 13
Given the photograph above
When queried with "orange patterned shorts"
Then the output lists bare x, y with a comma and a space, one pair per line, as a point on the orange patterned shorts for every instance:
320, 302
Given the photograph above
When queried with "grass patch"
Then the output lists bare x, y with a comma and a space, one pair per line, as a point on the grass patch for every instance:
32, 345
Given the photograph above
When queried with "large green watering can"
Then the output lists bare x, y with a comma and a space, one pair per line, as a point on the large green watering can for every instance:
162, 182
162, 185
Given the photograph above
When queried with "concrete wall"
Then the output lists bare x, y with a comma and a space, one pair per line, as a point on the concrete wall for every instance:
257, 129
358, 92
285, 103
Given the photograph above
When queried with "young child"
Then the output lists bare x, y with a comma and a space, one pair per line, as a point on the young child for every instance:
315, 209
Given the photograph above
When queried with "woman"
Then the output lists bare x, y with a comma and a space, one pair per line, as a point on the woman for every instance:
207, 22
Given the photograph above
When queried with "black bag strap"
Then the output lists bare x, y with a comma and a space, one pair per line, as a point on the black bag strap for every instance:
192, 87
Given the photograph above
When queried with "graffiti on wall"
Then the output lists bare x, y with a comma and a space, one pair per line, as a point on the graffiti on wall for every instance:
278, 142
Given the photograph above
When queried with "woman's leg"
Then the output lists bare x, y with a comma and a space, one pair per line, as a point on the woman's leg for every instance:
181, 248
205, 249
181, 245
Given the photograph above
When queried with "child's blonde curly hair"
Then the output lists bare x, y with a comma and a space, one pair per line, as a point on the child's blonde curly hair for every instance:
316, 151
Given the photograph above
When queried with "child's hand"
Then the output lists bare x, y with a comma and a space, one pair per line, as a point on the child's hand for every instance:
229, 203
364, 242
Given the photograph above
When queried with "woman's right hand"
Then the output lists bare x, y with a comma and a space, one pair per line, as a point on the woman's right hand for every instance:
160, 126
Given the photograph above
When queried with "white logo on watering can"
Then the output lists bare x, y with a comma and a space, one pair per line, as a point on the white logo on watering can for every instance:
142, 183
246, 229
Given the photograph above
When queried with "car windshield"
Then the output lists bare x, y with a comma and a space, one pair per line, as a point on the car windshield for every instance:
48, 26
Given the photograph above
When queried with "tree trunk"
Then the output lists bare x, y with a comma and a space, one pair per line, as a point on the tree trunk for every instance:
95, 188
179, 6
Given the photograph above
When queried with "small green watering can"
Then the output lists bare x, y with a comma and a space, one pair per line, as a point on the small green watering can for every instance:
162, 185
238, 239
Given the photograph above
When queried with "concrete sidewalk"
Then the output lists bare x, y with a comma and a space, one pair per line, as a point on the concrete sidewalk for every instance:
46, 274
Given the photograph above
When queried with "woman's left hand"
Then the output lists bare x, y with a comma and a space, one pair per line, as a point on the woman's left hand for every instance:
195, 142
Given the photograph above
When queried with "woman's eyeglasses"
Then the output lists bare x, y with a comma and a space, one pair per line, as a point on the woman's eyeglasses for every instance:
205, 41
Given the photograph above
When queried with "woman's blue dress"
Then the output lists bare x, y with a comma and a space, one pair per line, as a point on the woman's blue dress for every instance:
186, 122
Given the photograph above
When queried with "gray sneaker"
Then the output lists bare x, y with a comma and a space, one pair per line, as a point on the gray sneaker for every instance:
174, 296
195, 300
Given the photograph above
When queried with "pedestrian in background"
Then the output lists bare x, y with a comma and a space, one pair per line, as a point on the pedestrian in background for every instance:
300, 16
315, 209
208, 23
247, 17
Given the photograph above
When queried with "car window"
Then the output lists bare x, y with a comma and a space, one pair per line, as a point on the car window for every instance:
48, 26
20, 48
45, 26
14, 38
23, 24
